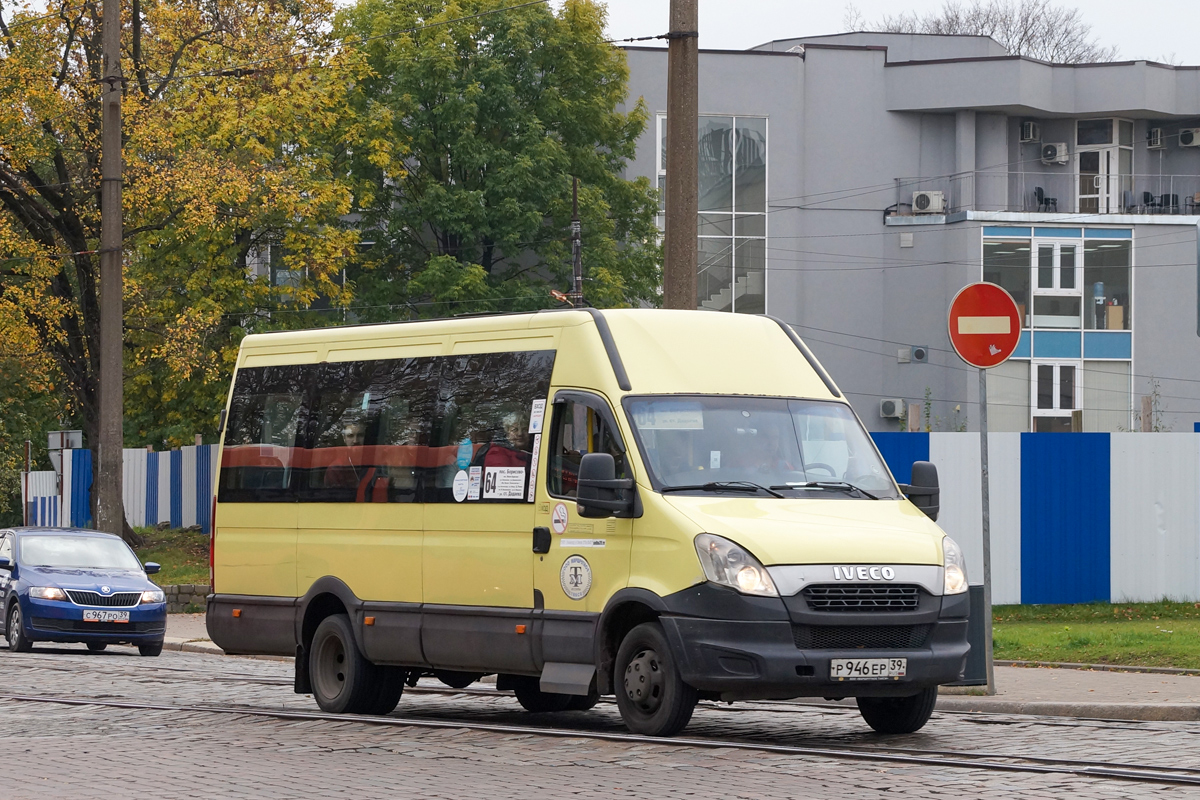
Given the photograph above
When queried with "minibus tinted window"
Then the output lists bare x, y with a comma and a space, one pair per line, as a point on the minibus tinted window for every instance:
265, 419
773, 442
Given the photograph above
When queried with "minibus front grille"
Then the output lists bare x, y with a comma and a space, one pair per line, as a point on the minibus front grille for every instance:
854, 637
119, 600
863, 597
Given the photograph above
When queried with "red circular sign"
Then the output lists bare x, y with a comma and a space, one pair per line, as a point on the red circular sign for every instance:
985, 325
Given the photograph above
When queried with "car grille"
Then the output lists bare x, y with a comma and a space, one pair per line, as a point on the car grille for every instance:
79, 626
853, 637
863, 597
120, 599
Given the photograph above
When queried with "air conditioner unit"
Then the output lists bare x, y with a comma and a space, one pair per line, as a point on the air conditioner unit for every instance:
1055, 153
929, 202
1031, 132
1154, 139
891, 408
1189, 137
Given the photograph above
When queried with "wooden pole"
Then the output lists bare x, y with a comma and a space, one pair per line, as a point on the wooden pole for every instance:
682, 193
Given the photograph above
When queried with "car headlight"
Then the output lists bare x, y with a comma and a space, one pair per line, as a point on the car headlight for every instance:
153, 596
730, 565
47, 593
956, 567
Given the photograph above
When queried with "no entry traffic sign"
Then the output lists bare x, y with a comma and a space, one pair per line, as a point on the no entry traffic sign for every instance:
985, 325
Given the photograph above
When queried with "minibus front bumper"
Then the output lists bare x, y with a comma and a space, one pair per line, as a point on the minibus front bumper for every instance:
775, 649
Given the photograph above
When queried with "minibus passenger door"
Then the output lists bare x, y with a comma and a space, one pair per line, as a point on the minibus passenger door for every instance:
587, 560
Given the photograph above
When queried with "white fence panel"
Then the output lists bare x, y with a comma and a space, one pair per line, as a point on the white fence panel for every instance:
189, 485
1155, 517
133, 485
164, 487
956, 456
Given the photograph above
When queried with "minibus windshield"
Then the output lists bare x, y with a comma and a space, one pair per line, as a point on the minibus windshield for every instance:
757, 445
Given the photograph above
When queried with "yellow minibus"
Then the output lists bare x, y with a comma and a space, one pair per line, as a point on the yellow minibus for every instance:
664, 506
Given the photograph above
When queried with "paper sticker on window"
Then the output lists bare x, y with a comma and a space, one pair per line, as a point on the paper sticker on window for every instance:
474, 476
536, 415
533, 466
465, 451
668, 416
504, 483
714, 459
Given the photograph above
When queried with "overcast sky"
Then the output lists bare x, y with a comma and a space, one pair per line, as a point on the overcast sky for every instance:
1152, 30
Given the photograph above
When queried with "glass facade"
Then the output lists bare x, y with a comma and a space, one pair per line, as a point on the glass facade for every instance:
1074, 290
732, 220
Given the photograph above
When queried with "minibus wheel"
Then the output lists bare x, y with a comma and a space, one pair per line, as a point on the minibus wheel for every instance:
898, 714
651, 695
389, 686
532, 698
343, 680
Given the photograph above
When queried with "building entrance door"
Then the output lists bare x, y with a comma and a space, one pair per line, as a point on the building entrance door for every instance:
1099, 181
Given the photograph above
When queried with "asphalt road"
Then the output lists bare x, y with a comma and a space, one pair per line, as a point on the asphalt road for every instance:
92, 751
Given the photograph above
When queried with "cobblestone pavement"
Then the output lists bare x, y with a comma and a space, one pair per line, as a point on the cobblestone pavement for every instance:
95, 751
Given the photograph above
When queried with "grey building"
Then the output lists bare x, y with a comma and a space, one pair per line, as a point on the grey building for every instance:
852, 184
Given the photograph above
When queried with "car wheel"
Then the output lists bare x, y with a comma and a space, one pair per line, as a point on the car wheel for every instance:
18, 642
96, 647
532, 698
343, 680
898, 714
153, 649
651, 695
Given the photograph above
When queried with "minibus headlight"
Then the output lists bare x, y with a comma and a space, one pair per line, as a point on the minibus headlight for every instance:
956, 567
730, 565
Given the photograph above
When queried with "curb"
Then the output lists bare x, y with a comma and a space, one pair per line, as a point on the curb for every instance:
1160, 712
1099, 667
208, 648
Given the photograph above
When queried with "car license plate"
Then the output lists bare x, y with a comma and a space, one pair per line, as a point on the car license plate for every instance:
867, 669
103, 615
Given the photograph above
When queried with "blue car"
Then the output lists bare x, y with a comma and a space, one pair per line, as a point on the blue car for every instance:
75, 585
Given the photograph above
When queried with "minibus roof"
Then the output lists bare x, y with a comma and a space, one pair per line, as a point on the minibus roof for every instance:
651, 351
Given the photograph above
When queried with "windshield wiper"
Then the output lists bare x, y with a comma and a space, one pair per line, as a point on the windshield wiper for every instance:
833, 485
724, 486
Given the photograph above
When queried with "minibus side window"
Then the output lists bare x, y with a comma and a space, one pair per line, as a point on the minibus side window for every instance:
265, 420
577, 430
481, 422
368, 431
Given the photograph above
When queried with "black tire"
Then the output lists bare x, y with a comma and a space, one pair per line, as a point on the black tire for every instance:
583, 702
343, 680
18, 642
455, 679
651, 695
532, 698
96, 647
898, 714
151, 650
389, 686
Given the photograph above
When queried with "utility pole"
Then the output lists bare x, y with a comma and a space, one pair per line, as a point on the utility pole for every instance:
986, 498
576, 245
110, 512
682, 200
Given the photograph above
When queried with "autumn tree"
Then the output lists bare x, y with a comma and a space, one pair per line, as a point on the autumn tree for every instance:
237, 126
500, 108
1038, 29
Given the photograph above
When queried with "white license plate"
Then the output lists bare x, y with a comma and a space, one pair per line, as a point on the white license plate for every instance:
103, 615
867, 669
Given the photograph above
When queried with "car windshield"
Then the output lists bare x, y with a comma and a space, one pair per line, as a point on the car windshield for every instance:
77, 552
761, 445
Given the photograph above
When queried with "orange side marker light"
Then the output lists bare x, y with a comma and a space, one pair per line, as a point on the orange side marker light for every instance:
368, 620
237, 612
520, 629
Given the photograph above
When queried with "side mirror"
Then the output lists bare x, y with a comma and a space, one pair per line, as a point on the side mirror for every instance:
152, 568
923, 491
601, 493
5, 563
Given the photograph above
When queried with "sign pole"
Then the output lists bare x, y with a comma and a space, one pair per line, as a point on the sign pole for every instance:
985, 495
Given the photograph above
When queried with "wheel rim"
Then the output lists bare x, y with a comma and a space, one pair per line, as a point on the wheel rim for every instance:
644, 680
14, 627
330, 673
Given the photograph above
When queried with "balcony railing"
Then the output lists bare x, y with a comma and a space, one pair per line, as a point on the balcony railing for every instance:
1056, 192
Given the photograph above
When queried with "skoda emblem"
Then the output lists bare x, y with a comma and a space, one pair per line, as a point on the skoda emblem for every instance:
105, 590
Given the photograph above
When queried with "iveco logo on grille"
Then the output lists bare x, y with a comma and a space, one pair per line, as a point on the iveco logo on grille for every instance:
863, 574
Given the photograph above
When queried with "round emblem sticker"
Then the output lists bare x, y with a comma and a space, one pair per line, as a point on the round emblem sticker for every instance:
460, 486
575, 577
558, 518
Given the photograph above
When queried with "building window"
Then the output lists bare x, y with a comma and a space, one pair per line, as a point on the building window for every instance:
732, 222
1106, 277
1054, 396
1104, 164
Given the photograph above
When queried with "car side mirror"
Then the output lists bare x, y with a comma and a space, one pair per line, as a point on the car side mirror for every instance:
152, 568
5, 563
923, 491
601, 493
